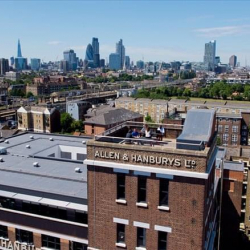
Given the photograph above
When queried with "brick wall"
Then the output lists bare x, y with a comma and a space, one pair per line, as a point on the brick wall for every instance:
186, 218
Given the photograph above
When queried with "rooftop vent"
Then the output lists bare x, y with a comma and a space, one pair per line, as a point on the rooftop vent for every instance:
1, 159
83, 142
78, 170
51, 139
27, 146
35, 164
31, 137
6, 141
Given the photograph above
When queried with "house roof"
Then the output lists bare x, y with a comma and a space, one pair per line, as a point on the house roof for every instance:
112, 116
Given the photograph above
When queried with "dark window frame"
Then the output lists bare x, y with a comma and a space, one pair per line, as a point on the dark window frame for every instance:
4, 231
142, 189
120, 229
51, 242
24, 236
141, 237
162, 240
121, 186
164, 192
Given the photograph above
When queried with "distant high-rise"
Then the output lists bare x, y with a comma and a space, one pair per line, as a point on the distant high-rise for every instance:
4, 66
20, 62
64, 66
127, 62
140, 64
233, 61
209, 55
120, 49
114, 61
96, 54
19, 51
102, 63
89, 53
70, 57
12, 61
35, 64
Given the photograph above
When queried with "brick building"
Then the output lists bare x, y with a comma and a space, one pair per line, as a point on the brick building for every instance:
161, 197
38, 119
109, 118
50, 84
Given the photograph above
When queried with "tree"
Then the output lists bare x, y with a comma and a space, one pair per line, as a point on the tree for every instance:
66, 121
149, 119
29, 94
77, 125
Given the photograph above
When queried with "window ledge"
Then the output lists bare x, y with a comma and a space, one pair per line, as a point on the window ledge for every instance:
140, 248
123, 245
165, 208
121, 201
141, 204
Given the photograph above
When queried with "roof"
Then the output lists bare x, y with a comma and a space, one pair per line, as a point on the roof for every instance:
198, 128
36, 109
234, 165
54, 177
112, 116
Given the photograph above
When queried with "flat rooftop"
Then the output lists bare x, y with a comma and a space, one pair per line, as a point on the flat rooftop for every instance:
45, 165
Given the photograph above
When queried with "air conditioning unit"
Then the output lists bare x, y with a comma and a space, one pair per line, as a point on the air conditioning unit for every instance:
78, 170
35, 164
27, 146
31, 137
51, 139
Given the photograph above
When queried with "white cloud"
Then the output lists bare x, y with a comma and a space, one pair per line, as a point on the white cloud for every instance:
54, 42
223, 31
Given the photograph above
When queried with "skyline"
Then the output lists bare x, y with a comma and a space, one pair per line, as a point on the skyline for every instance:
153, 31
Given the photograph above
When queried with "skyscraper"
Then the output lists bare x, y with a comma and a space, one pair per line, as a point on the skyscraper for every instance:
4, 66
89, 53
233, 61
114, 61
209, 55
120, 49
35, 64
70, 57
19, 52
127, 62
96, 54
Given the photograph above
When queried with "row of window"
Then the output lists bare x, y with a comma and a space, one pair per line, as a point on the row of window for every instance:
24, 236
235, 129
142, 189
141, 237
44, 210
234, 137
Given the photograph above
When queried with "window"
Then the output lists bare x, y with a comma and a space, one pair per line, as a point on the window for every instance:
77, 246
220, 128
121, 186
142, 189
225, 137
3, 232
50, 242
141, 237
164, 183
65, 155
235, 129
226, 128
120, 233
234, 138
80, 157
24, 236
162, 240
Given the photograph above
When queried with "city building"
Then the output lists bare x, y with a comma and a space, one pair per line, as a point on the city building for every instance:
109, 118
209, 55
114, 61
102, 63
120, 49
4, 66
77, 109
43, 195
21, 63
35, 64
13, 76
47, 85
233, 61
89, 56
64, 66
38, 119
70, 57
12, 61
140, 64
96, 54
154, 197
127, 62
233, 119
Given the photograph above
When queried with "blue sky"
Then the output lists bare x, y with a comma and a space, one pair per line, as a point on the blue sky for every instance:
153, 30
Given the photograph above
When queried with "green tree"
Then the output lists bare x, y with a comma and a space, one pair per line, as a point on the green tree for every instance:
149, 119
29, 94
77, 125
66, 121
